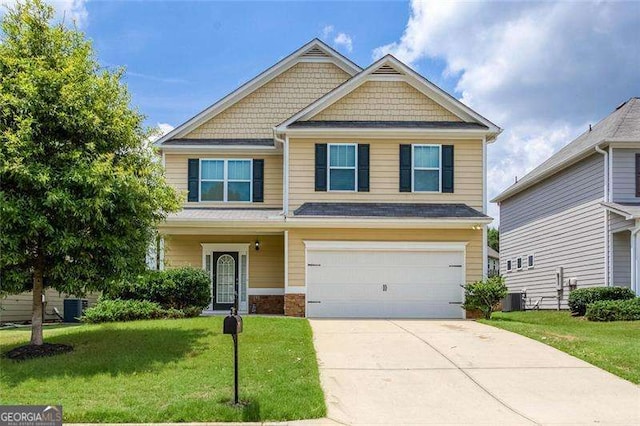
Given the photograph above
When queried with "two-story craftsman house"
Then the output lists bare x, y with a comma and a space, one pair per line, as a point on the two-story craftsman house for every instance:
322, 189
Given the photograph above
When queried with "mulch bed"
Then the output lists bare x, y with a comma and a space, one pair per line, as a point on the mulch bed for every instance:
22, 353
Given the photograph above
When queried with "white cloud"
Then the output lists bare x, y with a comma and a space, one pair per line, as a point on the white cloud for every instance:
159, 131
326, 31
542, 71
72, 12
343, 39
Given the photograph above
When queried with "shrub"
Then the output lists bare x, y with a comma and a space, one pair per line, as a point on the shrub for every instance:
484, 295
131, 310
614, 310
122, 310
579, 299
179, 288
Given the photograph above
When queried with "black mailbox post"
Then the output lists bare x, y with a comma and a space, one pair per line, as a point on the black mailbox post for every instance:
232, 325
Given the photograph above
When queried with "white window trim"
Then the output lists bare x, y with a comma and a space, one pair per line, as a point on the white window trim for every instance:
413, 168
225, 180
534, 261
519, 268
509, 265
355, 168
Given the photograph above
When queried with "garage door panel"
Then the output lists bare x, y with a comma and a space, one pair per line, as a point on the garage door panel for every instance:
384, 284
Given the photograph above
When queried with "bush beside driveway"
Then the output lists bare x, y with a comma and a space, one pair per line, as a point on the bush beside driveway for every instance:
169, 371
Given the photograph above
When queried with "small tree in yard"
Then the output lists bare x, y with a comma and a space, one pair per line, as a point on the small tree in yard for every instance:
81, 192
484, 295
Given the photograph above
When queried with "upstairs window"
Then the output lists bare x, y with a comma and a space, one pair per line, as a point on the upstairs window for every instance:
426, 171
225, 180
530, 261
342, 167
509, 266
519, 263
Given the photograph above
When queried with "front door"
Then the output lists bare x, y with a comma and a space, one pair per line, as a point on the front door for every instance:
225, 279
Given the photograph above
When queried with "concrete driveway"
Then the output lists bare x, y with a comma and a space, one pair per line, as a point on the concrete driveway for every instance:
460, 372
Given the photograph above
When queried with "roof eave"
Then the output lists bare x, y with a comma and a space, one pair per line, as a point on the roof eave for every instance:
264, 77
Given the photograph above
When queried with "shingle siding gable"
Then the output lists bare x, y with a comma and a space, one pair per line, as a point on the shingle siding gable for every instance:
255, 115
386, 100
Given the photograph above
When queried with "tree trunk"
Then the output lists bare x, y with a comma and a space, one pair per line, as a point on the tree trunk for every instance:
37, 311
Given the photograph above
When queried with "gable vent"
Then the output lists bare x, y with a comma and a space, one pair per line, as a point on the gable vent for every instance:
387, 70
315, 52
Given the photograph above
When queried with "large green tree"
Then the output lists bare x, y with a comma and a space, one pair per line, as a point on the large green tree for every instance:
81, 191
493, 239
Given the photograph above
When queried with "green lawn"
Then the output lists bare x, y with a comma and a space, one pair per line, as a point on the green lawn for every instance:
169, 371
613, 346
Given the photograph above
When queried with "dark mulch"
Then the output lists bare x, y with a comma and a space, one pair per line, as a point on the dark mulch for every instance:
25, 352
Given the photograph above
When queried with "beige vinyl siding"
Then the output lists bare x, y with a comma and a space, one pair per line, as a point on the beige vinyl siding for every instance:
17, 307
384, 174
621, 260
386, 100
474, 262
624, 175
255, 115
176, 167
560, 221
266, 266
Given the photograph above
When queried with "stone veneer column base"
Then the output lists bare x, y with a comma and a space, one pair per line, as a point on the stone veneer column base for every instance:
266, 304
294, 305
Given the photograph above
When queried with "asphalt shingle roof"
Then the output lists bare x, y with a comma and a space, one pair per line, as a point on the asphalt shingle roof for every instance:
622, 125
415, 210
387, 125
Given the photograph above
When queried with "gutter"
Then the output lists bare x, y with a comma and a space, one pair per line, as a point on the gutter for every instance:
285, 170
606, 197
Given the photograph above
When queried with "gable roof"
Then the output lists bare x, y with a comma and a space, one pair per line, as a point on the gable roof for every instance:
314, 51
390, 67
622, 125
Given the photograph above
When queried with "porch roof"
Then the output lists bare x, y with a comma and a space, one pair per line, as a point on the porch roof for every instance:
390, 210
628, 210
205, 214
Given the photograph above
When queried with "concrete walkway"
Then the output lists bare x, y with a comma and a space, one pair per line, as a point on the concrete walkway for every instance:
460, 372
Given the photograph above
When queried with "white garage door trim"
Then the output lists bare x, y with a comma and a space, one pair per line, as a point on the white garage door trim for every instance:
397, 246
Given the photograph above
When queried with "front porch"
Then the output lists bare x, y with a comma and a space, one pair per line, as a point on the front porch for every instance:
250, 266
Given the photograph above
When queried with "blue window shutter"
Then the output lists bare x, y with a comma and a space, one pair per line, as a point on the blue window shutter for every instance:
193, 176
258, 181
363, 167
321, 167
447, 168
405, 168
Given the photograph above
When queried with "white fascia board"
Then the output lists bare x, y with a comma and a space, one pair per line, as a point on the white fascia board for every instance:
618, 211
384, 245
221, 149
387, 133
258, 81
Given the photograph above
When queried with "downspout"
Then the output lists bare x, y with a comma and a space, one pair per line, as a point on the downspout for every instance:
484, 209
634, 262
606, 214
285, 171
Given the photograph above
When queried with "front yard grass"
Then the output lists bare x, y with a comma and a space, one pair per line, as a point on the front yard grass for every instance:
612, 346
169, 371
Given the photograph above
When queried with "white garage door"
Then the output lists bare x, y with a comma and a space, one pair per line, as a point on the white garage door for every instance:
384, 283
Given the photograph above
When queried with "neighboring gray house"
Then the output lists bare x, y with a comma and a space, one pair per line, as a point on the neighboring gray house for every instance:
573, 221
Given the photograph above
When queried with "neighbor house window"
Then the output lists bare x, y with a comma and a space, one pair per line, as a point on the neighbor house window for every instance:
225, 180
530, 261
342, 167
519, 263
509, 266
426, 168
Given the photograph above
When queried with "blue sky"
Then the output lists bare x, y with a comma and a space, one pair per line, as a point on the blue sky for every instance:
182, 56
543, 71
